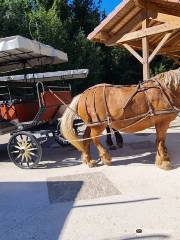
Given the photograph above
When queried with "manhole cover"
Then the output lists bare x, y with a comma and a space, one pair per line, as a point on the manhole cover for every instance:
79, 187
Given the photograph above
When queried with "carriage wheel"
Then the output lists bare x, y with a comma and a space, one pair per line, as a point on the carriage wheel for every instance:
24, 150
60, 140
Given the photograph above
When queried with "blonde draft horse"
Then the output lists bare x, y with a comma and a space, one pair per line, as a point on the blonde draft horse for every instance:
129, 109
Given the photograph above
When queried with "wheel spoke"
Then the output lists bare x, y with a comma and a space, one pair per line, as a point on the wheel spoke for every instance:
15, 151
18, 156
18, 147
19, 143
28, 146
22, 160
27, 161
32, 149
33, 154
23, 157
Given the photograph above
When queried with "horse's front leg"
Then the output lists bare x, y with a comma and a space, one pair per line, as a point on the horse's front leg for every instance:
103, 153
162, 158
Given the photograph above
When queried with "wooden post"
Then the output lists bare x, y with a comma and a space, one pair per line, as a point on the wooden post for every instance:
146, 70
159, 46
145, 50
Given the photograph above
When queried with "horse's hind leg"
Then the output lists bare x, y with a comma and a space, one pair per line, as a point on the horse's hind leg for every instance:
103, 153
119, 139
109, 141
162, 159
86, 157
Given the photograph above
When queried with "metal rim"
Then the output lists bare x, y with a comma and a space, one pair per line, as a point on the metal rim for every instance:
24, 150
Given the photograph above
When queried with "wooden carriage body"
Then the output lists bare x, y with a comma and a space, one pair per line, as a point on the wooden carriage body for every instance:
21, 110
31, 103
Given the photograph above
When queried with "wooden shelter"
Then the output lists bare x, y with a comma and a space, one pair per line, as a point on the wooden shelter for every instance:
152, 26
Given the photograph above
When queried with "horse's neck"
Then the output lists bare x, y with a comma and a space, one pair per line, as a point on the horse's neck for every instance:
172, 94
175, 94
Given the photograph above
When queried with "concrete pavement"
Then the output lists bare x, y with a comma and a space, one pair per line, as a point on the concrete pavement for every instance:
66, 200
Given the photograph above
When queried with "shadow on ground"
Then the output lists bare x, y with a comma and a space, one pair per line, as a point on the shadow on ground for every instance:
138, 149
39, 210
143, 237
27, 211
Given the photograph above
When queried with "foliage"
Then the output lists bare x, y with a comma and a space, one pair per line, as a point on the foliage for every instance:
65, 25
46, 27
13, 17
162, 64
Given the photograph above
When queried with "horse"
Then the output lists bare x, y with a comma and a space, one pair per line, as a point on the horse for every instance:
155, 102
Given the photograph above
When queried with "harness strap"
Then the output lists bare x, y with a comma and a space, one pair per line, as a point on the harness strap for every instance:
133, 95
94, 105
86, 107
166, 95
151, 111
108, 115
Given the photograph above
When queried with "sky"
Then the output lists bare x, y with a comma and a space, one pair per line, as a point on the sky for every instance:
109, 5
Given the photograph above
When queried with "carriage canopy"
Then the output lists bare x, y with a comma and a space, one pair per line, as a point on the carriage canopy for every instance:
18, 52
47, 77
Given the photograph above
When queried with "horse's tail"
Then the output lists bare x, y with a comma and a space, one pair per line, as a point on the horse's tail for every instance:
67, 125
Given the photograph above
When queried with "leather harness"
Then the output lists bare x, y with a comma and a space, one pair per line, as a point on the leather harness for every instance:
140, 88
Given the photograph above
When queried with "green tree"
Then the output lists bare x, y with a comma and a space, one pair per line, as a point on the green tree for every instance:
65, 25
14, 17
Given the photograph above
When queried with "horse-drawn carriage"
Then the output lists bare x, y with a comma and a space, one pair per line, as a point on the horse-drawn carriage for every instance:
31, 104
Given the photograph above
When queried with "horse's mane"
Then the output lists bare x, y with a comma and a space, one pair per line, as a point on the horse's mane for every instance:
171, 79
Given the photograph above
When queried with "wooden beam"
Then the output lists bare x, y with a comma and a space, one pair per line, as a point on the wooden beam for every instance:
133, 52
129, 26
155, 14
145, 50
161, 17
104, 36
156, 8
174, 56
170, 50
139, 3
159, 46
149, 32
175, 38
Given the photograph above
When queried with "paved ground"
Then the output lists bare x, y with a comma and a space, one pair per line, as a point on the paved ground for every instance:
63, 199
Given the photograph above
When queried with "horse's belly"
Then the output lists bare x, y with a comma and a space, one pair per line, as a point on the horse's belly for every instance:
142, 124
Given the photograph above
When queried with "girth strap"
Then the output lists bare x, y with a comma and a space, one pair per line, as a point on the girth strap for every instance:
108, 115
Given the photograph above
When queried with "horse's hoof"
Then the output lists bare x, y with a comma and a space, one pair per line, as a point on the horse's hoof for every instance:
165, 165
92, 163
108, 163
120, 145
106, 158
112, 147
163, 162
